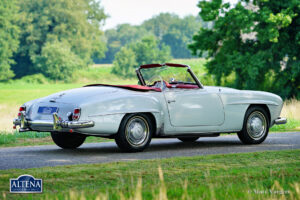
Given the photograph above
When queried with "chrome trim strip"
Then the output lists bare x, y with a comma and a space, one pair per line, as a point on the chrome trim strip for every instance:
252, 102
118, 113
280, 120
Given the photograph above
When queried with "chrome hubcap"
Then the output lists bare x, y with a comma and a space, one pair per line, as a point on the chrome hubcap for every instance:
137, 131
256, 125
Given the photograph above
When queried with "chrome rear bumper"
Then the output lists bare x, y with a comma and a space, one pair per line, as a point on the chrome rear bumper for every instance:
280, 120
56, 125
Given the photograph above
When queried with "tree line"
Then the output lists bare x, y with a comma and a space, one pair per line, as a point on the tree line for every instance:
57, 37
49, 37
167, 29
256, 42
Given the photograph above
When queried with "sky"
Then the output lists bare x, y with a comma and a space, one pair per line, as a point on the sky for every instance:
136, 11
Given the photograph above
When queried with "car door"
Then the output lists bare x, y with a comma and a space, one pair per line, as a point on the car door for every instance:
194, 107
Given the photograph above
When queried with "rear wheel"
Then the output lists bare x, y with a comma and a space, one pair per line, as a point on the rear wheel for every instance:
135, 133
68, 140
256, 126
188, 139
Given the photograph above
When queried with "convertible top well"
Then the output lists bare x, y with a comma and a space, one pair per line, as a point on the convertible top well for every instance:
129, 87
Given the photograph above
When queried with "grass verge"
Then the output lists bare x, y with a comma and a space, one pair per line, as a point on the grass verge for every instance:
34, 138
260, 175
291, 125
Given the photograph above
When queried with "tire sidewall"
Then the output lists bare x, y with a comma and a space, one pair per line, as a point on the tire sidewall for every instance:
121, 138
244, 135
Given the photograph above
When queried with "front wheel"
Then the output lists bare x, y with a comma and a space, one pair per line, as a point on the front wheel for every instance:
135, 133
256, 126
67, 140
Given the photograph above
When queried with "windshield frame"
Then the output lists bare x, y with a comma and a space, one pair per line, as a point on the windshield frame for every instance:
189, 70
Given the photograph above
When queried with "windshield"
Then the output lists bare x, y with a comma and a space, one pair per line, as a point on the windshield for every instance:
169, 75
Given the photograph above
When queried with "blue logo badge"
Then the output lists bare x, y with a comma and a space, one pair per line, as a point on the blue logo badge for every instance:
26, 184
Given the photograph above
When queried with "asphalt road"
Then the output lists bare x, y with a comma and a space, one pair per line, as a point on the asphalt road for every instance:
51, 155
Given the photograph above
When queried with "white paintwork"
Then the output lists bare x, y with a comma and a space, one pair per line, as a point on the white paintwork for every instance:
192, 107
207, 110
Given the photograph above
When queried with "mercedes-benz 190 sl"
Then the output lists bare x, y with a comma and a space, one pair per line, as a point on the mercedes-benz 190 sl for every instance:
169, 101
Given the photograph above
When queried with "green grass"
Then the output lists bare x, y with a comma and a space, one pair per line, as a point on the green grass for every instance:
232, 176
34, 138
195, 63
291, 125
19, 92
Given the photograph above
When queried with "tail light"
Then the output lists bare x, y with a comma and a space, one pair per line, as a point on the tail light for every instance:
21, 109
76, 114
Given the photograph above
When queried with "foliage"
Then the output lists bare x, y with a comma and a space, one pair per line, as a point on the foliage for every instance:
119, 37
253, 39
180, 34
9, 37
159, 25
34, 79
174, 32
169, 29
68, 24
144, 52
57, 61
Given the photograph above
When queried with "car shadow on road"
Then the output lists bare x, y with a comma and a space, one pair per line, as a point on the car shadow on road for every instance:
102, 149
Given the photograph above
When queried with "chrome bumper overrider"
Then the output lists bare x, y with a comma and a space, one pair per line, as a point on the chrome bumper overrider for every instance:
280, 120
56, 124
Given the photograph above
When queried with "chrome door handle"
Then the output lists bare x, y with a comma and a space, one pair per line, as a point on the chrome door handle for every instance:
171, 101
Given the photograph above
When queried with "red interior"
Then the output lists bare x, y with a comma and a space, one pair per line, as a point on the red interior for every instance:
146, 88
130, 87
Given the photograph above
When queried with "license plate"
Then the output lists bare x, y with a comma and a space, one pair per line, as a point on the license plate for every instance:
47, 110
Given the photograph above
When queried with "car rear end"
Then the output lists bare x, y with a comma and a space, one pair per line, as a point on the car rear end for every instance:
50, 116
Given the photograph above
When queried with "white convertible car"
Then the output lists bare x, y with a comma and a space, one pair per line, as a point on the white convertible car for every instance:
168, 102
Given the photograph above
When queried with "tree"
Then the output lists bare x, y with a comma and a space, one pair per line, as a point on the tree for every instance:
74, 23
144, 52
180, 34
119, 37
159, 25
169, 29
254, 40
57, 61
9, 34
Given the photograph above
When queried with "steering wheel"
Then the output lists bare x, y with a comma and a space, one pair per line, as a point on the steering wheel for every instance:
160, 84
157, 84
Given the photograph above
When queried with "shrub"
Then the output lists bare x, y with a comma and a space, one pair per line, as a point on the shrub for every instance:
57, 61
